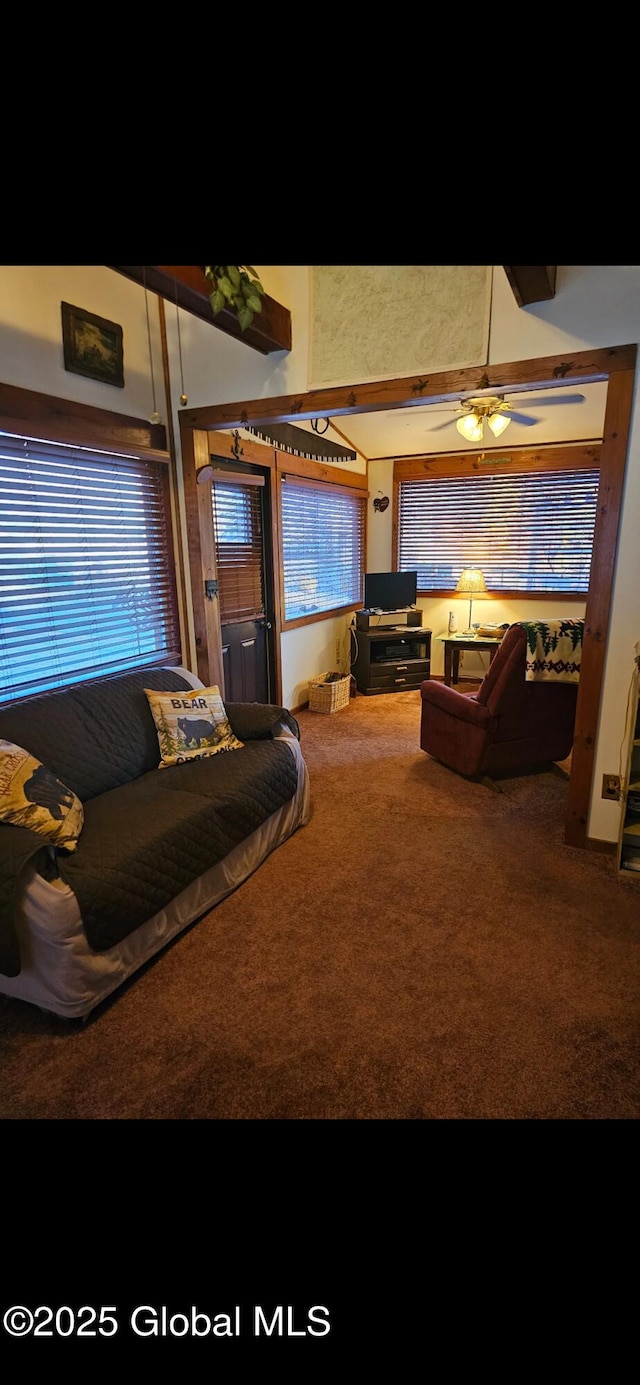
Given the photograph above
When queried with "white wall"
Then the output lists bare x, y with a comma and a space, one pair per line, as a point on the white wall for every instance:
599, 306
594, 306
310, 650
31, 353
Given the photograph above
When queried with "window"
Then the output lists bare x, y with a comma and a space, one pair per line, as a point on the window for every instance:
87, 582
237, 527
323, 529
529, 531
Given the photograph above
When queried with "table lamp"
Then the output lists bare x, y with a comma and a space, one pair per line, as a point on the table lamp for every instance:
469, 584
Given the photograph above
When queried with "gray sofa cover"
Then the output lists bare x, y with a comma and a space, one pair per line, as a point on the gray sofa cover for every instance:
158, 845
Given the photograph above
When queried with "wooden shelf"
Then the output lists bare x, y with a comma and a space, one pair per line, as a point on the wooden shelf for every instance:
532, 283
188, 287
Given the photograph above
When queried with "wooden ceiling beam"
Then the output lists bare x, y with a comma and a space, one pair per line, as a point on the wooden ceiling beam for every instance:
531, 283
188, 286
583, 367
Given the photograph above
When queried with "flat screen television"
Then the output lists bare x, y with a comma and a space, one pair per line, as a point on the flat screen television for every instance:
390, 591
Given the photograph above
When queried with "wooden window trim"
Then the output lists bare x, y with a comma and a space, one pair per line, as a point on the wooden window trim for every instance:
318, 485
46, 418
442, 466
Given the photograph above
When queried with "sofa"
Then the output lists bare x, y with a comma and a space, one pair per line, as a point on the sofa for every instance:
159, 843
522, 715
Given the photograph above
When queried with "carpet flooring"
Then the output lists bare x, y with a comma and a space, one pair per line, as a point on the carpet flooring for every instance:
425, 949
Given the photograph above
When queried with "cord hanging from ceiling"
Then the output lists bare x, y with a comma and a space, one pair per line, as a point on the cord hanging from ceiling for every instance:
154, 417
183, 397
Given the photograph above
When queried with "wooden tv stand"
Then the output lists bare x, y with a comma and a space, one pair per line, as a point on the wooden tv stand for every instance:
391, 659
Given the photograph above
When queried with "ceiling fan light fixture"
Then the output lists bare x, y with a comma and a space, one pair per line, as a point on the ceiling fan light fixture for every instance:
470, 426
498, 423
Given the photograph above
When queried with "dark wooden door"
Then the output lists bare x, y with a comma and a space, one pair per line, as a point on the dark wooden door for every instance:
238, 502
244, 661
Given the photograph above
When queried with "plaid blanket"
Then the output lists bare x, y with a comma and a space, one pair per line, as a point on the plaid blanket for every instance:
554, 650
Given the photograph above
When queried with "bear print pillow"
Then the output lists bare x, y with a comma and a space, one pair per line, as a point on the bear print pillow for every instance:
191, 725
31, 796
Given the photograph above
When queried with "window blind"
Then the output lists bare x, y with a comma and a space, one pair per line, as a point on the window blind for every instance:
527, 531
323, 530
237, 527
87, 582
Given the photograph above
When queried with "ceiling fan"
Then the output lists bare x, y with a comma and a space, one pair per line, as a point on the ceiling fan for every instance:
472, 414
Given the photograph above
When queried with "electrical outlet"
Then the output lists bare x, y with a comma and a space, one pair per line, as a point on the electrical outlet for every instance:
611, 786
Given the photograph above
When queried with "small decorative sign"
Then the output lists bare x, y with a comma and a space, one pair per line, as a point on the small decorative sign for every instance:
92, 346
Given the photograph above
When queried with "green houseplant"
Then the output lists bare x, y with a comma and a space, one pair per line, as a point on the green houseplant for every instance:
235, 286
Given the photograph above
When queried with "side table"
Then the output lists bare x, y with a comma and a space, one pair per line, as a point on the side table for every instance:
453, 644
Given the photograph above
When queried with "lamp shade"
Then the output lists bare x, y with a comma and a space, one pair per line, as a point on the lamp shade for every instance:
470, 426
498, 423
471, 581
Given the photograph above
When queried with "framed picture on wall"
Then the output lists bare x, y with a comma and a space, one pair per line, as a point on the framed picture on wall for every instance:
92, 346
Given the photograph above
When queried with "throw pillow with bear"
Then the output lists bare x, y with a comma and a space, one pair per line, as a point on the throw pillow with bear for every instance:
32, 796
191, 725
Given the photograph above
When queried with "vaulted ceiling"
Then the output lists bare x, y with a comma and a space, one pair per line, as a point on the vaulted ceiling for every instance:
394, 433
187, 287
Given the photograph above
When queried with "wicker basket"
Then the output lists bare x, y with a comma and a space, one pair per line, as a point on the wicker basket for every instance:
329, 697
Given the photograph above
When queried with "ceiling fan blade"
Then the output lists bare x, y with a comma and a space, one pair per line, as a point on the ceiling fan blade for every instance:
526, 419
553, 399
447, 424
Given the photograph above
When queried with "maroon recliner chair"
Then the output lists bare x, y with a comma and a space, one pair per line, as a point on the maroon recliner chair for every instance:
508, 724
